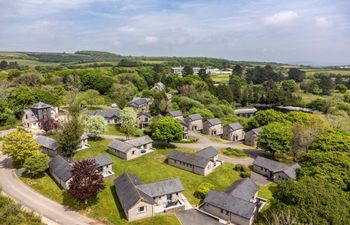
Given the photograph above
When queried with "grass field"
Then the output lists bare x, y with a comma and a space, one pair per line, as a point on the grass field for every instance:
149, 168
114, 130
220, 78
311, 71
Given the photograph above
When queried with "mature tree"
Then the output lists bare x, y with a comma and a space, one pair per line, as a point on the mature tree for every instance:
265, 117
296, 74
289, 85
341, 88
122, 93
279, 217
314, 201
96, 126
276, 138
333, 140
69, 135
326, 84
48, 124
3, 65
86, 181
237, 70
202, 73
20, 145
89, 97
37, 163
332, 167
188, 70
167, 129
128, 119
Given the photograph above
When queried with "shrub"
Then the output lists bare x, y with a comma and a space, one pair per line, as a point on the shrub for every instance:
203, 190
235, 152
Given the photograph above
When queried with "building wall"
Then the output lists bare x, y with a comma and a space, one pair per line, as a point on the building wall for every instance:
197, 170
106, 170
229, 134
263, 171
250, 139
114, 120
134, 215
64, 185
141, 121
196, 125
117, 153
48, 151
228, 217
280, 176
142, 108
209, 130
161, 200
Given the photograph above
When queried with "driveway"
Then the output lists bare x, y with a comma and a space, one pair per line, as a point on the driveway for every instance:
29, 198
194, 217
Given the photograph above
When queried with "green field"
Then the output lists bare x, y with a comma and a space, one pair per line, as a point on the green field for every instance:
148, 167
220, 78
311, 71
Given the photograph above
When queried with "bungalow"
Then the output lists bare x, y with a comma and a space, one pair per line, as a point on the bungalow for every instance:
194, 122
131, 149
185, 129
48, 145
159, 87
233, 132
143, 119
177, 70
140, 104
103, 165
176, 115
146, 200
202, 162
245, 112
273, 170
251, 137
213, 127
38, 112
238, 204
60, 168
111, 116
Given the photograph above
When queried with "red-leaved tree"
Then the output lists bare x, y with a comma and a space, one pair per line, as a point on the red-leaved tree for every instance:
86, 182
48, 124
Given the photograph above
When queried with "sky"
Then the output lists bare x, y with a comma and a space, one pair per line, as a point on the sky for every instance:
315, 32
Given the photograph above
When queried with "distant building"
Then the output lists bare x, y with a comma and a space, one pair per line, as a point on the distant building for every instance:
245, 112
213, 127
131, 149
196, 70
177, 70
233, 132
176, 115
143, 119
140, 200
61, 170
194, 122
33, 117
159, 87
273, 170
111, 116
251, 137
141, 104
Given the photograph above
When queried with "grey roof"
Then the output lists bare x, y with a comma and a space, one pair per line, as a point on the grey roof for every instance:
106, 113
256, 130
41, 105
148, 114
245, 110
128, 194
161, 188
294, 108
192, 159
175, 113
120, 145
213, 122
194, 117
139, 102
47, 142
244, 189
207, 152
291, 171
137, 142
235, 126
230, 203
61, 168
102, 160
273, 166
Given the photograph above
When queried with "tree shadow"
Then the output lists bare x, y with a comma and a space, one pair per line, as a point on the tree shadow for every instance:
73, 204
116, 200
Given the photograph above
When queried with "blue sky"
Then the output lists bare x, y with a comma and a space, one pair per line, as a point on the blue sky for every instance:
293, 31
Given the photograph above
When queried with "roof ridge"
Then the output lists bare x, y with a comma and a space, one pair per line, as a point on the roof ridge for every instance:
135, 186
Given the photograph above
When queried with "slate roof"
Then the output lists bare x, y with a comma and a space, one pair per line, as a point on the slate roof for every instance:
256, 130
213, 122
230, 203
235, 126
192, 159
102, 160
61, 168
244, 189
291, 171
128, 194
47, 142
207, 152
137, 142
139, 102
120, 145
41, 105
273, 166
175, 113
245, 110
161, 188
106, 113
194, 117
148, 114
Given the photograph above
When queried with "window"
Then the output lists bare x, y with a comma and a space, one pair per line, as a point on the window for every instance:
141, 209
133, 152
222, 211
169, 197
227, 212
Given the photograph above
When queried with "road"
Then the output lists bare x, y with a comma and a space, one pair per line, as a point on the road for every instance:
29, 198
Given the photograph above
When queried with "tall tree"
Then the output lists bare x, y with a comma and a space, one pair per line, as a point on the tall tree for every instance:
20, 145
167, 129
86, 182
188, 70
128, 121
203, 74
326, 84
37, 163
48, 124
96, 126
296, 74
237, 70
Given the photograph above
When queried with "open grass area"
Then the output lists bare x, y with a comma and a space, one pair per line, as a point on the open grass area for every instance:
220, 78
114, 130
234, 152
149, 168
311, 71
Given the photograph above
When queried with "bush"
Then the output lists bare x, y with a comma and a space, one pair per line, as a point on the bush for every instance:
235, 152
138, 133
188, 141
203, 190
245, 174
244, 170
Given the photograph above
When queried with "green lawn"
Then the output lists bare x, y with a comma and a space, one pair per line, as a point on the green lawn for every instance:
220, 78
114, 130
149, 168
233, 152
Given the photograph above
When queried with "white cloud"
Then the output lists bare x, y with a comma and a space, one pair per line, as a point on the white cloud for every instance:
323, 22
151, 39
127, 29
282, 18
